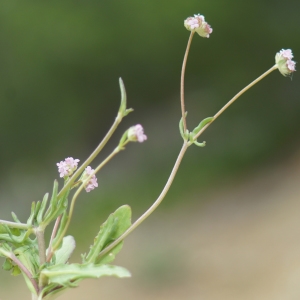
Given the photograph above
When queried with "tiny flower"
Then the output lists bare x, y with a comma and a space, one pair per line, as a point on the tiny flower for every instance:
136, 133
285, 64
67, 167
92, 182
198, 24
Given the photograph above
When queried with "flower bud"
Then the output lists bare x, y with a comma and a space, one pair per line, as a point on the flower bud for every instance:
136, 133
198, 24
284, 62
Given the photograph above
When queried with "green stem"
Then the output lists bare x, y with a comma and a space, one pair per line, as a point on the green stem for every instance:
41, 245
182, 80
79, 171
15, 225
92, 156
236, 97
153, 206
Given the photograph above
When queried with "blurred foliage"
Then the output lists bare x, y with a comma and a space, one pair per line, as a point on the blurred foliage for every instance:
59, 68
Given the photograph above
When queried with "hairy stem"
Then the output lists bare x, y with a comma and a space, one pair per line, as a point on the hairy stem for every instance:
41, 244
153, 206
182, 80
235, 97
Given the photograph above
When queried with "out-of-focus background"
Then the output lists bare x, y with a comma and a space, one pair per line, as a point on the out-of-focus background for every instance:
230, 226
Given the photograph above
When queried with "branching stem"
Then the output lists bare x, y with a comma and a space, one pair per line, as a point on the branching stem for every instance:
236, 97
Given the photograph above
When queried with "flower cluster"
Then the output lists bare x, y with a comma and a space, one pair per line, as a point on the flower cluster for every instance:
284, 62
197, 24
92, 182
136, 133
67, 167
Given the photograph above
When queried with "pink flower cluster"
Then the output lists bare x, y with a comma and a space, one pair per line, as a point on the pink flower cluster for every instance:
197, 24
92, 182
136, 133
285, 64
67, 167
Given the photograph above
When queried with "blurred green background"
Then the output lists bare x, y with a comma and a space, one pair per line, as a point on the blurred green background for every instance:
59, 67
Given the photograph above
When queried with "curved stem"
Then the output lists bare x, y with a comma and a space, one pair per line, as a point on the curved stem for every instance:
182, 80
153, 206
235, 97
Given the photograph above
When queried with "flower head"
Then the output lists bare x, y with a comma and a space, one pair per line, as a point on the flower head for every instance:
92, 182
284, 62
197, 24
136, 133
67, 167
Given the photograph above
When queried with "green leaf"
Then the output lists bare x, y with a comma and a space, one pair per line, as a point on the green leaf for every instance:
15, 218
123, 138
56, 206
42, 209
201, 125
28, 255
65, 275
200, 144
123, 106
16, 271
181, 128
109, 257
53, 291
116, 224
63, 254
7, 265
2, 229
31, 217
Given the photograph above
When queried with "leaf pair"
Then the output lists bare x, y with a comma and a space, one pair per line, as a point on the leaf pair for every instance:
190, 136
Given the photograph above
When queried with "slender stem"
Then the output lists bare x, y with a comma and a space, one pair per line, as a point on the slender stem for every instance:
54, 231
92, 156
54, 247
182, 80
15, 225
235, 97
153, 206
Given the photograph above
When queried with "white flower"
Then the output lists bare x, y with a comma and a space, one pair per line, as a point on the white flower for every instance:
284, 62
198, 24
